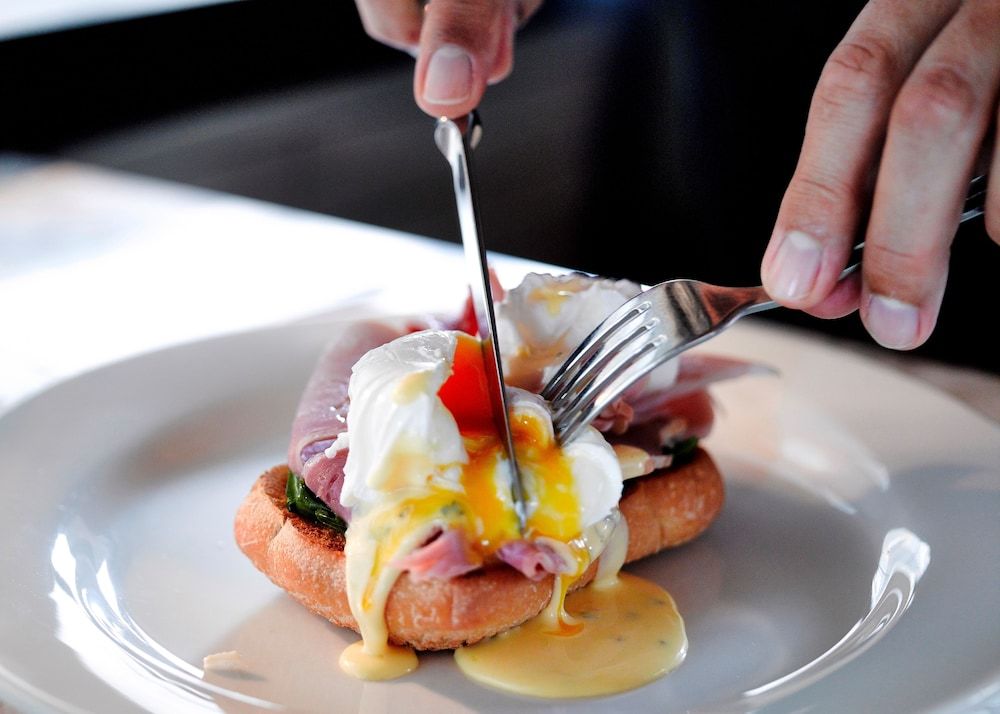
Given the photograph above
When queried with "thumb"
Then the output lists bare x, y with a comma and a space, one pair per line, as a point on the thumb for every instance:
461, 43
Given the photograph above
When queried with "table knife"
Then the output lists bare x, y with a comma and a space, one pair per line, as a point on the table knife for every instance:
456, 139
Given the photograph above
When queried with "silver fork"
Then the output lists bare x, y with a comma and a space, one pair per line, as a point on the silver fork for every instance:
657, 325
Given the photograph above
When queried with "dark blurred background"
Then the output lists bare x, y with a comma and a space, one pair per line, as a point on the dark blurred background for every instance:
636, 138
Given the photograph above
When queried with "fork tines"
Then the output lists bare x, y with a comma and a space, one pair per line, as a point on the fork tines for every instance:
618, 351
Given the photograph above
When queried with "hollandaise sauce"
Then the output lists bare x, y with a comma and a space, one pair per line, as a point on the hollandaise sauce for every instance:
378, 538
391, 662
631, 634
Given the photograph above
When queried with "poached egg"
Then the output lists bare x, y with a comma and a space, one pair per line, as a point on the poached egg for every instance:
542, 320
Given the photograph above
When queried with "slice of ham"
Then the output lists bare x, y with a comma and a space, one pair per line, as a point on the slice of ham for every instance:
690, 415
533, 558
325, 477
447, 555
322, 412
616, 417
641, 405
696, 371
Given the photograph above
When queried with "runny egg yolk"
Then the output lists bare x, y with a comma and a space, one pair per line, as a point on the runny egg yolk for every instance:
466, 395
466, 392
555, 509
556, 512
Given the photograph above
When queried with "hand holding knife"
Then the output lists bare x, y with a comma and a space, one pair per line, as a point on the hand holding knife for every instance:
456, 139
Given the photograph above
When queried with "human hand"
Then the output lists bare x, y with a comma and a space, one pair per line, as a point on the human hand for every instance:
460, 45
905, 104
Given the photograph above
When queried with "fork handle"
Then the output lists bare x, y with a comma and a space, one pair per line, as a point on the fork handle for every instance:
853, 261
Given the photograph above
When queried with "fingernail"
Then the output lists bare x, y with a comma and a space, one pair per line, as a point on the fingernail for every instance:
795, 266
449, 76
893, 323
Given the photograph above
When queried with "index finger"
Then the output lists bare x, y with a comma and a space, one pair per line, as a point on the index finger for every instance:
393, 22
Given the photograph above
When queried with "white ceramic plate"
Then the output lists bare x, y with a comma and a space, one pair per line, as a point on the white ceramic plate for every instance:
853, 493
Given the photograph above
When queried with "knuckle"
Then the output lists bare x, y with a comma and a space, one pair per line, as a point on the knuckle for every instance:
942, 98
901, 272
822, 196
863, 68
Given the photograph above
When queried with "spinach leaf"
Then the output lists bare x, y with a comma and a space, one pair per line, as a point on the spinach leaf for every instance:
682, 451
302, 501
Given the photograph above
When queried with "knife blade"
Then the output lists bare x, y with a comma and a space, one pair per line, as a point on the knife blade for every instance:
456, 139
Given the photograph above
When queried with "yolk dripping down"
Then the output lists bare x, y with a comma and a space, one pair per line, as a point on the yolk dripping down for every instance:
554, 511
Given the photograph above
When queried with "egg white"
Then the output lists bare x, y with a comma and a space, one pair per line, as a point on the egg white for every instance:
399, 432
542, 320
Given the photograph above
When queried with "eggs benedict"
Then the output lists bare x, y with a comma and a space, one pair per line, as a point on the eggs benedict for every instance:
393, 516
